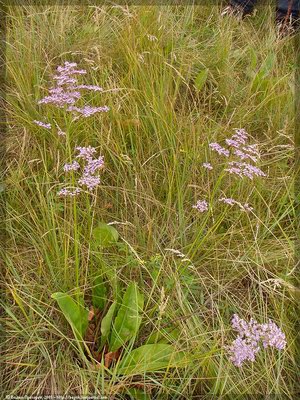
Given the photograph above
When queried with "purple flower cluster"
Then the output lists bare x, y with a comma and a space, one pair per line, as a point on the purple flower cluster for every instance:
93, 165
239, 138
242, 350
238, 145
74, 166
219, 149
66, 192
86, 152
68, 69
89, 181
89, 169
42, 124
272, 336
67, 91
244, 169
201, 206
231, 202
207, 165
250, 334
87, 111
60, 97
64, 95
238, 148
94, 88
243, 155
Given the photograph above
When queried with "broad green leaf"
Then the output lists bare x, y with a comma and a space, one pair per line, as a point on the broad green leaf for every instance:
163, 336
150, 357
105, 235
106, 324
128, 320
79, 297
201, 79
98, 293
75, 313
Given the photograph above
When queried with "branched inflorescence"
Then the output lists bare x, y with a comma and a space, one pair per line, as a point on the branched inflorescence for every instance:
201, 205
67, 91
42, 124
64, 94
250, 335
89, 167
243, 154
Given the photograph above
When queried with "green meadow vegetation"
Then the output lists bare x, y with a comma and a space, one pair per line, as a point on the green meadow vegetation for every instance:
128, 291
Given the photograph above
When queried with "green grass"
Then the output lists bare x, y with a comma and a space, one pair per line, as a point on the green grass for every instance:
154, 140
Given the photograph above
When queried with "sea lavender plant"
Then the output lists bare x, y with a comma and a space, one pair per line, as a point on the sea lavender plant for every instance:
244, 169
90, 166
93, 165
201, 206
64, 94
231, 202
272, 336
242, 351
42, 124
85, 152
87, 111
67, 91
243, 155
207, 165
89, 181
66, 192
250, 334
61, 97
74, 166
219, 149
240, 150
